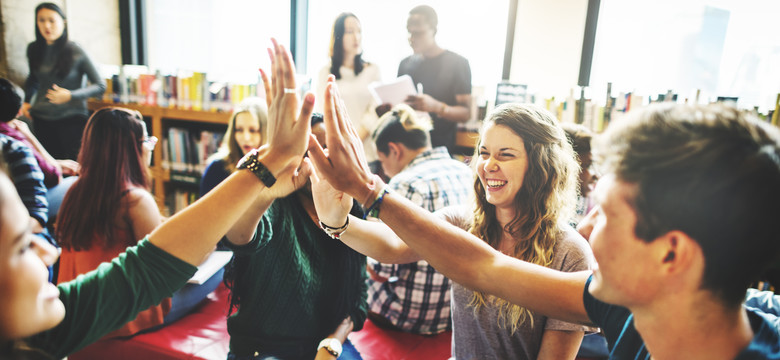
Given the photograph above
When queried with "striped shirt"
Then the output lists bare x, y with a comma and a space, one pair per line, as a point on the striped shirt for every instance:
27, 177
416, 297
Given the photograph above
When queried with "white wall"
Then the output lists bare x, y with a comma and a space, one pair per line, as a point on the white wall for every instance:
93, 24
548, 45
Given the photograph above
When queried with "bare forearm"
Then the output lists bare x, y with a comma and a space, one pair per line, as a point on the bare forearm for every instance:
378, 241
474, 264
558, 344
456, 113
208, 219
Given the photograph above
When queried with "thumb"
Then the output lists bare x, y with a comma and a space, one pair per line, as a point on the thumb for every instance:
313, 175
305, 170
317, 155
55, 87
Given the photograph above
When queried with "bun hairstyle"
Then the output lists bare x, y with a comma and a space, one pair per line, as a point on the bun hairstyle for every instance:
402, 125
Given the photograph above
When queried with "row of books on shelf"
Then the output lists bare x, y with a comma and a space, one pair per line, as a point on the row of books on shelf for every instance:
597, 116
134, 84
185, 153
178, 199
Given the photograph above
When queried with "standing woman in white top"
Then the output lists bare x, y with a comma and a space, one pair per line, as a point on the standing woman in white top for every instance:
353, 74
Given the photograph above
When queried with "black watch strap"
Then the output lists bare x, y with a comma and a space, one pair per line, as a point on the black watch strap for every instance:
251, 163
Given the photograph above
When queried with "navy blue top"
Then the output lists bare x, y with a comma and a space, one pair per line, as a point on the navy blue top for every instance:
215, 173
624, 341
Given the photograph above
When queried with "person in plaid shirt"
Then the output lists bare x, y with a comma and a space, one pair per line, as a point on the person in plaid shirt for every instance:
414, 297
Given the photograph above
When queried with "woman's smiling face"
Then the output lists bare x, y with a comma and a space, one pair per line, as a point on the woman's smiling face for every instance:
501, 165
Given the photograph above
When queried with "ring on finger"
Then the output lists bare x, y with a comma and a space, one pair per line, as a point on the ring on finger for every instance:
289, 91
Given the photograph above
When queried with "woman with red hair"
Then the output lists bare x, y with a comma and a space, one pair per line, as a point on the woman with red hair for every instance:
113, 188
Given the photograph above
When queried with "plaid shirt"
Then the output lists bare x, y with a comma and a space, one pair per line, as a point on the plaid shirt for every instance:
416, 298
26, 176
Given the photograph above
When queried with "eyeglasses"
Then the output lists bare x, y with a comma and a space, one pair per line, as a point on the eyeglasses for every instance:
149, 143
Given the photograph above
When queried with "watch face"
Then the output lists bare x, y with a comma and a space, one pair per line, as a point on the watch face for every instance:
335, 345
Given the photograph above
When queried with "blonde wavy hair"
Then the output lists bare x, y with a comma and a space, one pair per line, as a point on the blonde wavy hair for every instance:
546, 199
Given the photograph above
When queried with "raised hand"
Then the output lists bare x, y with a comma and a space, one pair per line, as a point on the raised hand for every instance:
345, 166
332, 206
290, 180
288, 130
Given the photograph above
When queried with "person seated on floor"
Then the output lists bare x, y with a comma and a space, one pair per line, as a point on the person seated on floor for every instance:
39, 320
247, 129
525, 183
291, 283
688, 201
414, 297
11, 99
113, 189
580, 137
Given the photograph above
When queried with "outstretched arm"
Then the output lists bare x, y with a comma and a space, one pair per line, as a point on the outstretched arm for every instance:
370, 238
457, 254
193, 232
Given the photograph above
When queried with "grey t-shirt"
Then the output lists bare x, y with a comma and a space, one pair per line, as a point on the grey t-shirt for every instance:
479, 335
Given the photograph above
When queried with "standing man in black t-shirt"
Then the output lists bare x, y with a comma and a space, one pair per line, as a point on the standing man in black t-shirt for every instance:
445, 77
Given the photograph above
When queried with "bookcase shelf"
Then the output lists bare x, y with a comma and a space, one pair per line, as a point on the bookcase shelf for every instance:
160, 117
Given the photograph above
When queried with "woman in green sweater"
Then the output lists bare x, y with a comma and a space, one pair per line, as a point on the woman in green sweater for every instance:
292, 284
40, 320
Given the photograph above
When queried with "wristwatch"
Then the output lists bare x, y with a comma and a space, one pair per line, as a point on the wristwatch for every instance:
250, 162
333, 346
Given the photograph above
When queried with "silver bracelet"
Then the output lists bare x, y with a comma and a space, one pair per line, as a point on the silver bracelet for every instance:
334, 233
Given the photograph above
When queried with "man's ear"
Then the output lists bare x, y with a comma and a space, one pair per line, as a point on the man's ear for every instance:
677, 251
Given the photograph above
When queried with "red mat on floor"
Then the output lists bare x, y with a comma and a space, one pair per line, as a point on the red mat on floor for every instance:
375, 343
201, 334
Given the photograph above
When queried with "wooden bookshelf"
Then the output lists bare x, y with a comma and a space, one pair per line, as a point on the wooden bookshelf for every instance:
159, 116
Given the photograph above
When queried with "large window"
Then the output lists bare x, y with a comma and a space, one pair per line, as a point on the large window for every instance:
475, 30
721, 47
227, 39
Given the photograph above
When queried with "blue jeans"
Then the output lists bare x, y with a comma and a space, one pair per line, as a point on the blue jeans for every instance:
188, 297
348, 352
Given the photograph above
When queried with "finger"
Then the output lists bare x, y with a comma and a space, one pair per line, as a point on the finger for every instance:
279, 69
317, 156
304, 119
329, 113
55, 87
267, 85
305, 170
315, 179
342, 117
275, 79
288, 68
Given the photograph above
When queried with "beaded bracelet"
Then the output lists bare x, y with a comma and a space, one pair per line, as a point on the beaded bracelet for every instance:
334, 233
373, 210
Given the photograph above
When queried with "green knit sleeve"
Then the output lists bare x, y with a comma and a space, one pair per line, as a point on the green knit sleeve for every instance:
106, 298
262, 236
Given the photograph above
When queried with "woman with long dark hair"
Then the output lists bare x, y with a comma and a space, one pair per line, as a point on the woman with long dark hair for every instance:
353, 74
55, 95
113, 188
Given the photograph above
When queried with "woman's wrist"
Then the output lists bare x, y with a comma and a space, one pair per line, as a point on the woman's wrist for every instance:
372, 190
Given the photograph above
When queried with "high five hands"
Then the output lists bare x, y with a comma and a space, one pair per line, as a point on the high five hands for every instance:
344, 165
288, 129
